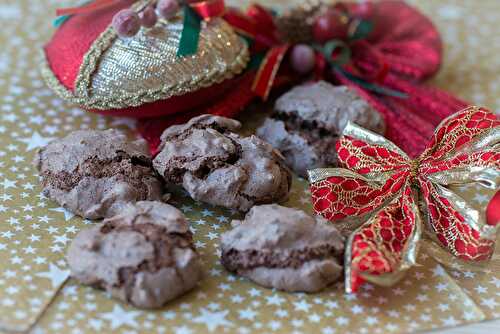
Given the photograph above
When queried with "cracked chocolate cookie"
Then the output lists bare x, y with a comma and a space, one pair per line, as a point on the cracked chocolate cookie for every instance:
94, 173
308, 120
144, 256
284, 248
217, 166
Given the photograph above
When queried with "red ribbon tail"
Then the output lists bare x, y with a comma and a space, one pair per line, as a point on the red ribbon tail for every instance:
268, 71
240, 23
209, 9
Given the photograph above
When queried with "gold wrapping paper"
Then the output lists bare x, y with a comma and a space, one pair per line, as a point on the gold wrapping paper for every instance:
34, 232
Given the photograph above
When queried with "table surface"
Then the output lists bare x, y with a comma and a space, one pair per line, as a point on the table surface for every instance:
36, 294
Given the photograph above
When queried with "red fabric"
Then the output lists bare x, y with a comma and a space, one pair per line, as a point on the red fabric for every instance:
493, 210
404, 49
209, 9
87, 8
73, 39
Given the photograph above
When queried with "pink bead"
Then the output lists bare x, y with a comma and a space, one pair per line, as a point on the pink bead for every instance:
331, 25
302, 59
364, 10
148, 17
126, 23
168, 8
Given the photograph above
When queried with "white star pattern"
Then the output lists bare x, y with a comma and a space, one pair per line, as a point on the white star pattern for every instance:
212, 320
67, 215
55, 275
119, 317
36, 141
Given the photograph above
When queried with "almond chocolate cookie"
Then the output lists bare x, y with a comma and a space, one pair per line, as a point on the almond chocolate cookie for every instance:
144, 256
217, 166
95, 173
284, 248
308, 120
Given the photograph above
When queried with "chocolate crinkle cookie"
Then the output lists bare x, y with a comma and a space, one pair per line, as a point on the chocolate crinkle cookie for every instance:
144, 256
284, 248
217, 166
95, 173
308, 120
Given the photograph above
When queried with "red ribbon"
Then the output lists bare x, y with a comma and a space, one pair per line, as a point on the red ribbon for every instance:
209, 9
259, 25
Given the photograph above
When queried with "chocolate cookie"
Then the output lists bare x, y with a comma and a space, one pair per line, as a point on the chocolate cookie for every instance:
217, 166
94, 173
308, 120
284, 248
144, 256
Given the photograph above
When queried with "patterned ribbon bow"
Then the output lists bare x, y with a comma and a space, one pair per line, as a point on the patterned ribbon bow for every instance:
383, 196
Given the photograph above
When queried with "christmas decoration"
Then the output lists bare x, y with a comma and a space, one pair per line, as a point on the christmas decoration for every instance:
150, 71
384, 50
388, 202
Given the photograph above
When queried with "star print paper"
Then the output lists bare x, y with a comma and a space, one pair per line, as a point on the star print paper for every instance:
35, 289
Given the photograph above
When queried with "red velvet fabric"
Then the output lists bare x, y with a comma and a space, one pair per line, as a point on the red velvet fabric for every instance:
406, 44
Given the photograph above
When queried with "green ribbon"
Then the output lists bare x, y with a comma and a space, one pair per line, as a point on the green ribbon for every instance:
327, 50
190, 36
60, 20
370, 85
363, 29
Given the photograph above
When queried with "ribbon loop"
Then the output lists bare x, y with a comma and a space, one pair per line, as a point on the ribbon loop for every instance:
336, 52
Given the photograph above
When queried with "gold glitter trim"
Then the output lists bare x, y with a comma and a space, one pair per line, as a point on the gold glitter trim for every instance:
90, 90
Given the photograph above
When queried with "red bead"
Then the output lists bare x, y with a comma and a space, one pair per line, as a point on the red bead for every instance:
331, 25
148, 17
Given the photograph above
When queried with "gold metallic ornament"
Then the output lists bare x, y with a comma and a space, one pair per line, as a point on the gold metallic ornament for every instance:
128, 72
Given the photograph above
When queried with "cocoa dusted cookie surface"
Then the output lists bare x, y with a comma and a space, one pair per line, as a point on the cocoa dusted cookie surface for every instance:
95, 173
284, 248
217, 166
308, 120
144, 256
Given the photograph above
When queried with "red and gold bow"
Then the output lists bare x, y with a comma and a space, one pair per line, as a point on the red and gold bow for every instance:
388, 202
